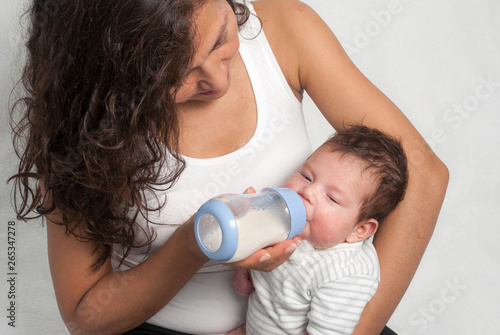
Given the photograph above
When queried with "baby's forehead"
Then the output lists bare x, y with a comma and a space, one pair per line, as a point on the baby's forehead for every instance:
336, 154
348, 159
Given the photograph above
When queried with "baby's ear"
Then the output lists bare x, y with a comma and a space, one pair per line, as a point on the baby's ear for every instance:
363, 230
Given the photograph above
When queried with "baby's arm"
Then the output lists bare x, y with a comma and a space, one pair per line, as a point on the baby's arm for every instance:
341, 314
242, 282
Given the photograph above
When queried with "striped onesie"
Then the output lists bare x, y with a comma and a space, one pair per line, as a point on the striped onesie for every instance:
315, 291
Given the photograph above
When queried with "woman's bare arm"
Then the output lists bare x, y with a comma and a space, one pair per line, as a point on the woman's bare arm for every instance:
107, 302
104, 301
313, 60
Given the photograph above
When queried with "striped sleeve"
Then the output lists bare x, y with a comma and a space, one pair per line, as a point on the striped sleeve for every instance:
336, 307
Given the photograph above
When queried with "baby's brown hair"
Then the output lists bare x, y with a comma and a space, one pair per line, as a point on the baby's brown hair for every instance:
383, 156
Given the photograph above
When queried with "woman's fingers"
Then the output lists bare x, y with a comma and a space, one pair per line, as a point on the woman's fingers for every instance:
249, 190
269, 258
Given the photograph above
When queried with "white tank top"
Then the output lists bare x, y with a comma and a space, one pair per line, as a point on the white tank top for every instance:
208, 304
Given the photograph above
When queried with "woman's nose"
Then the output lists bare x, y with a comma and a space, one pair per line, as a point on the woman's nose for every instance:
216, 75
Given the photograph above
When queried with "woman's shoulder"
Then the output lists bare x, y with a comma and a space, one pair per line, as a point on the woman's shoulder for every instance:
285, 24
278, 8
281, 17
297, 35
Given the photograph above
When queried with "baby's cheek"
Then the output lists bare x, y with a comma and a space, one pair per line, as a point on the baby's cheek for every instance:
289, 184
321, 239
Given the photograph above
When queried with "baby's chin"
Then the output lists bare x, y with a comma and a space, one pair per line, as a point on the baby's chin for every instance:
305, 233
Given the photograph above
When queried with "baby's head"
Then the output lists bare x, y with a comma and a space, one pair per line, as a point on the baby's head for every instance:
349, 185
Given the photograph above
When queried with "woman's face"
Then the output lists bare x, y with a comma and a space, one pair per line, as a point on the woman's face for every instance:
216, 44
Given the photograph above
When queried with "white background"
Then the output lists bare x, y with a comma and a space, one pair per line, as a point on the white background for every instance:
438, 60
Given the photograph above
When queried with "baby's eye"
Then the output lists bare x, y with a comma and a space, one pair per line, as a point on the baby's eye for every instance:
332, 199
306, 177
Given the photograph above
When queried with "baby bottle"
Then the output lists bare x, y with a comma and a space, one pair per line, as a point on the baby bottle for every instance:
231, 227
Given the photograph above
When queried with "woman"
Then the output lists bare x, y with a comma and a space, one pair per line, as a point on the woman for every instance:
138, 111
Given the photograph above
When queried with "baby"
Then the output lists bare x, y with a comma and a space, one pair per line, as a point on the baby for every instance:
348, 186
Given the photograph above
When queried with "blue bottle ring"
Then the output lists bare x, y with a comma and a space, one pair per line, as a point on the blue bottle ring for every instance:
296, 209
228, 226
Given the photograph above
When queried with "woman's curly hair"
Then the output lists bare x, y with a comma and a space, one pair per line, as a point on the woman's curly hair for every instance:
98, 127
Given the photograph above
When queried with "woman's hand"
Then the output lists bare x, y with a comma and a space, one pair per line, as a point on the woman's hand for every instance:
269, 258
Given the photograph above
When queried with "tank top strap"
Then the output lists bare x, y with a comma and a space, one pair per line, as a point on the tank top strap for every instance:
263, 68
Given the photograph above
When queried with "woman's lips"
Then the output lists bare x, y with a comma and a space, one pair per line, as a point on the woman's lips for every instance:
215, 92
210, 92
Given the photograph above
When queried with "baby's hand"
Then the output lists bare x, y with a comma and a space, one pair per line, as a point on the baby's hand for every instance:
238, 331
242, 282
